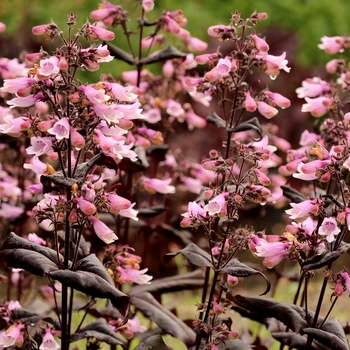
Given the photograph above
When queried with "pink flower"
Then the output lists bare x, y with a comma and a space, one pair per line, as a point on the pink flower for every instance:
331, 45
103, 231
15, 85
205, 58
85, 206
153, 115
329, 228
301, 175
94, 33
217, 205
195, 44
266, 110
312, 88
195, 210
133, 326
260, 44
215, 31
40, 146
48, 68
192, 185
24, 101
194, 121
223, 67
117, 203
262, 178
174, 109
249, 103
157, 185
33, 237
278, 99
2, 27
60, 129
346, 278
300, 211
317, 106
49, 342
94, 95
147, 5
129, 213
11, 335
275, 63
77, 140
338, 290
8, 211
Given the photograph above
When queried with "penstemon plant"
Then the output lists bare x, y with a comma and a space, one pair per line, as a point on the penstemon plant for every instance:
93, 169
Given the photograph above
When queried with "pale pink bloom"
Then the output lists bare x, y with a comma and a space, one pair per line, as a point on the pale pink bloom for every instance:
195, 210
103, 54
193, 81
103, 13
205, 58
201, 97
40, 146
212, 75
278, 99
153, 115
195, 44
41, 29
117, 203
60, 129
85, 206
171, 26
332, 65
93, 33
36, 165
223, 67
274, 63
318, 106
300, 211
329, 228
312, 87
49, 342
131, 111
266, 110
94, 96
168, 68
14, 126
217, 205
102, 230
17, 84
273, 253
147, 5
346, 278
11, 335
2, 27
215, 31
152, 40
260, 44
194, 121
302, 176
77, 139
33, 237
48, 68
24, 101
313, 166
262, 178
138, 276
129, 213
249, 103
12, 68
156, 185
13, 305
9, 212
121, 93
108, 112
174, 109
331, 45
192, 185
308, 138
133, 326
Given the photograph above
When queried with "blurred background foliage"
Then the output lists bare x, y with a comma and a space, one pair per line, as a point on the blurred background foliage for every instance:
306, 20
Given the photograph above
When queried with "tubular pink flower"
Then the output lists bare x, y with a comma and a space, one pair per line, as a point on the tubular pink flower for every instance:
121, 93
338, 290
331, 45
300, 211
205, 58
102, 230
153, 115
215, 31
301, 175
147, 5
153, 41
195, 44
117, 203
40, 146
329, 228
278, 99
85, 206
94, 95
97, 33
129, 213
273, 253
260, 44
217, 205
11, 335
49, 342
266, 110
194, 121
33, 237
157, 185
17, 84
312, 167
192, 185
2, 27
171, 26
174, 109
77, 140
224, 66
249, 103
102, 13
317, 106
275, 63
48, 68
60, 129
24, 101
312, 88
168, 68
346, 278
262, 178
40, 29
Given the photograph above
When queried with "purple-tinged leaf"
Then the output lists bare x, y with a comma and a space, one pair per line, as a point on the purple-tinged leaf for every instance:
29, 256
94, 285
238, 269
294, 195
319, 261
171, 284
295, 341
234, 344
330, 340
194, 254
150, 212
166, 54
333, 326
213, 118
171, 232
29, 317
155, 342
100, 330
251, 124
120, 54
166, 320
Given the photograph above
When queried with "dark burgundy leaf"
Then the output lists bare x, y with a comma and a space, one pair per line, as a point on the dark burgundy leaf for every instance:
129, 166
333, 326
150, 212
166, 320
171, 284
171, 232
29, 256
166, 54
238, 269
92, 264
29, 317
319, 261
94, 285
155, 342
290, 315
294, 195
251, 124
194, 254
328, 339
100, 330
213, 118
294, 340
120, 54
